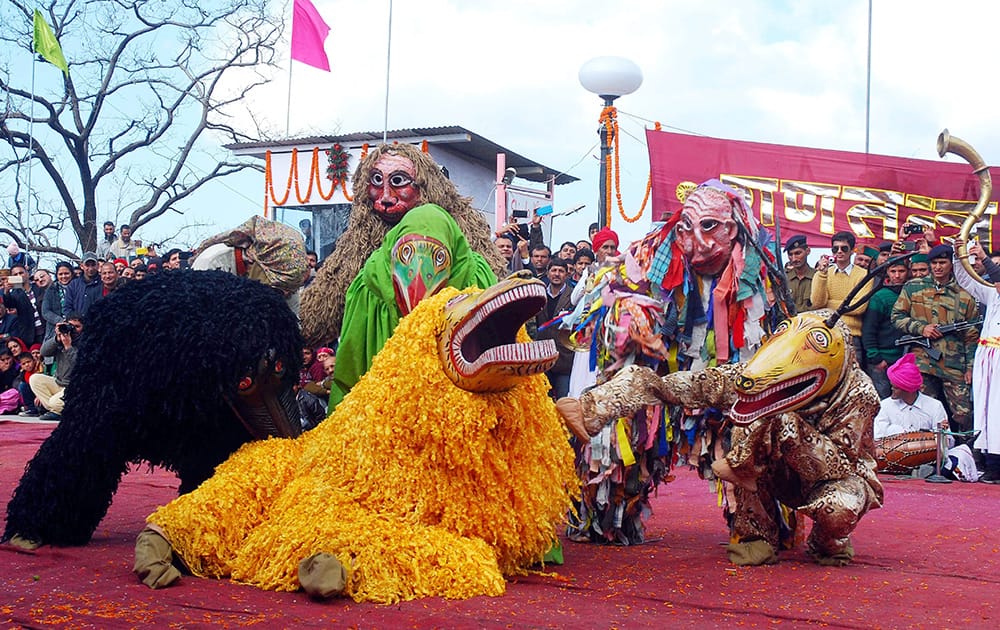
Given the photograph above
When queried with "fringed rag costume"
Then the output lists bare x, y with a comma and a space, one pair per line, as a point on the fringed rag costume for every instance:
699, 278
802, 410
443, 470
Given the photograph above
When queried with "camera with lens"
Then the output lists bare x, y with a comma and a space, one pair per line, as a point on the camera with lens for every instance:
65, 328
913, 228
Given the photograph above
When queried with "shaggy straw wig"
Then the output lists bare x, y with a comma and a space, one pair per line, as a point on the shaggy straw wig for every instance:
322, 307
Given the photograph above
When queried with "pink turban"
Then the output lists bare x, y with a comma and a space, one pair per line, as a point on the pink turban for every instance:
603, 236
904, 373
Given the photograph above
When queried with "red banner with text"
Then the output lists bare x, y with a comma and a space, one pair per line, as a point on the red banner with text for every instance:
818, 192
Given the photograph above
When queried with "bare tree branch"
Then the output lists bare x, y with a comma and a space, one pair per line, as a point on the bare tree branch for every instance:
151, 83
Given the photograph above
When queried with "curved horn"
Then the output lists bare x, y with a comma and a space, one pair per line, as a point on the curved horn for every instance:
947, 143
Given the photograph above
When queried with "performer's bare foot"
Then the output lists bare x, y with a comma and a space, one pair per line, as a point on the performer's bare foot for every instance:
23, 543
724, 471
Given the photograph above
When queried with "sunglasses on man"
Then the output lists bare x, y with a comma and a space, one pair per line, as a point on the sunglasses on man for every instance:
840, 248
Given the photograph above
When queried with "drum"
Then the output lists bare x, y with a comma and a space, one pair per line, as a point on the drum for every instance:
903, 452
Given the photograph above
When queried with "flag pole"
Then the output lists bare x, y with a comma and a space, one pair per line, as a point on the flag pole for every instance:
291, 63
31, 146
288, 107
388, 56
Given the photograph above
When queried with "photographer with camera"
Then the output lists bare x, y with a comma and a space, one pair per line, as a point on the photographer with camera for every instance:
516, 241
49, 390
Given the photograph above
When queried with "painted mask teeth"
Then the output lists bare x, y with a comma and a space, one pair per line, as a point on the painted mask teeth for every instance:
745, 418
482, 349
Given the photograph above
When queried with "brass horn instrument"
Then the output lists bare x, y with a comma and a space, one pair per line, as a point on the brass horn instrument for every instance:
566, 339
947, 143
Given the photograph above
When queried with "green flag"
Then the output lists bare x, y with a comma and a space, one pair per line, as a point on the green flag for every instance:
46, 44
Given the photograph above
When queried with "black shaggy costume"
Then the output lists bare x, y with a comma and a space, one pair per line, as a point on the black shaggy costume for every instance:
156, 363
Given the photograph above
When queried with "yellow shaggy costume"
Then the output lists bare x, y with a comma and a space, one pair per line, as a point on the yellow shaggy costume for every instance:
418, 487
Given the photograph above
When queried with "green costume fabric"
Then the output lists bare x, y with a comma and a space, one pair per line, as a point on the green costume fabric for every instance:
370, 310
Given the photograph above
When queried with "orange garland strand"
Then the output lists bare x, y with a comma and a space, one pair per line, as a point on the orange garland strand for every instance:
314, 173
269, 182
295, 175
315, 178
609, 119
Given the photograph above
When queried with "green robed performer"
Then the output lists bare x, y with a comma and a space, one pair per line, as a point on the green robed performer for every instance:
424, 252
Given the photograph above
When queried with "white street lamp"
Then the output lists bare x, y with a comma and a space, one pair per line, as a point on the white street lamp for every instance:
609, 78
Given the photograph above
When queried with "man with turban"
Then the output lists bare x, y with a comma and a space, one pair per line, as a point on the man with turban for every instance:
605, 244
907, 408
924, 305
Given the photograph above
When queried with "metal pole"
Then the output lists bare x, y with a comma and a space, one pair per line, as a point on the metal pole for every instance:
868, 89
602, 201
388, 50
288, 108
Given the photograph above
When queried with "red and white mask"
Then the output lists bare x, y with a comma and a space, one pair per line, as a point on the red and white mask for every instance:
392, 188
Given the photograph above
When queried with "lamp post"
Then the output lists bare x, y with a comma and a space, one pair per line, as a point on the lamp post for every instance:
609, 78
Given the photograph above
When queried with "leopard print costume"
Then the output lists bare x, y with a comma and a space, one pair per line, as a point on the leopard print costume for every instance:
818, 459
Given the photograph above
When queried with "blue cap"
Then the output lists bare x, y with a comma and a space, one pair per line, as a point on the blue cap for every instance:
940, 251
796, 241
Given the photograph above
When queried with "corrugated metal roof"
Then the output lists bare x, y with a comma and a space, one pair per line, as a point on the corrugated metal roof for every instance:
473, 146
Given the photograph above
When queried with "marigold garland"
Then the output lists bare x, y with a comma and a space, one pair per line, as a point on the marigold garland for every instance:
420, 488
314, 179
609, 118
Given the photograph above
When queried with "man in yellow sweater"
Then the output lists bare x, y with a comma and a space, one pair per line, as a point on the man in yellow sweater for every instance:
834, 280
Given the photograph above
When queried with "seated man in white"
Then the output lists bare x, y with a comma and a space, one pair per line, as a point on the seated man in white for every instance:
908, 409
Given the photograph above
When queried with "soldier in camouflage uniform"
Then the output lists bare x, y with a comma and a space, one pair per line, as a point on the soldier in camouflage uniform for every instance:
925, 303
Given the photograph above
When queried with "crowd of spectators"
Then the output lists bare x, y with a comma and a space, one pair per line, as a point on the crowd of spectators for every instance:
920, 315
44, 310
915, 296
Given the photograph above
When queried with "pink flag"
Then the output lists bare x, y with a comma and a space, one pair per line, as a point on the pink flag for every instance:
309, 31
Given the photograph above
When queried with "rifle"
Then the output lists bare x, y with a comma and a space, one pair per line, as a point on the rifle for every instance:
944, 329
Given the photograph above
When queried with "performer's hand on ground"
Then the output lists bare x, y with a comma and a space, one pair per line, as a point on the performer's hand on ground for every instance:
752, 553
154, 559
23, 543
322, 576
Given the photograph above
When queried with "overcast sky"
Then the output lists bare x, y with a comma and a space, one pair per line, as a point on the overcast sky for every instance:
766, 71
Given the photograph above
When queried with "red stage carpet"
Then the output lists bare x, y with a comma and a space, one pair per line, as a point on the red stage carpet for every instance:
928, 559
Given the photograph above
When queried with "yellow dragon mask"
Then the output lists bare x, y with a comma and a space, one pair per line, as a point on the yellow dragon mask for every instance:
805, 359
